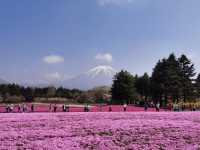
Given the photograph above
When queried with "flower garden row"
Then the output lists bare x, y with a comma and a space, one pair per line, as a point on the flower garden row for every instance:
101, 131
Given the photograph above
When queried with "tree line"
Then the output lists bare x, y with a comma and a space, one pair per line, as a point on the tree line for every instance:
173, 79
13, 93
29, 93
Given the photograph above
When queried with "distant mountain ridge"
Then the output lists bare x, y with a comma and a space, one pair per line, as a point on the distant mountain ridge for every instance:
2, 81
98, 76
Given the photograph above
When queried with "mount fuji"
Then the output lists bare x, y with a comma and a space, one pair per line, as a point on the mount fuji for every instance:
98, 76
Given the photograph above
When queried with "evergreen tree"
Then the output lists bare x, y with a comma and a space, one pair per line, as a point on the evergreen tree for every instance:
123, 88
197, 86
173, 83
4, 91
166, 79
60, 92
187, 73
28, 93
142, 85
158, 80
39, 92
14, 90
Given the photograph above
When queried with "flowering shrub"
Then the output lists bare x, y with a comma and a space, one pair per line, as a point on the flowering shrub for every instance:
104, 131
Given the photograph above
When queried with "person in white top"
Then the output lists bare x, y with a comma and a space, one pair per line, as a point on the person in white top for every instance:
11, 108
125, 106
19, 107
158, 107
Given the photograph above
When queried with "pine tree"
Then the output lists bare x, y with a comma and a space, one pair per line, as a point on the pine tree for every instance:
166, 79
143, 85
187, 73
158, 80
197, 86
123, 88
173, 83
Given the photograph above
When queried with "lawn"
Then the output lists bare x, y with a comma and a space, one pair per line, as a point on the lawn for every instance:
100, 130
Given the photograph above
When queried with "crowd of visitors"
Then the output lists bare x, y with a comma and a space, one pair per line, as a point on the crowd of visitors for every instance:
10, 108
20, 108
184, 106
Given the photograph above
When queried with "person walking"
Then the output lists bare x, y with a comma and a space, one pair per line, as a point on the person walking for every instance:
11, 107
86, 108
110, 108
19, 108
67, 108
158, 107
183, 107
23, 107
55, 108
32, 107
125, 107
194, 107
170, 106
64, 108
7, 108
152, 104
145, 106
50, 106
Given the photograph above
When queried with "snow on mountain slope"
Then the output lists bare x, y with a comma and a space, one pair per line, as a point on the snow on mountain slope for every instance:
101, 70
97, 76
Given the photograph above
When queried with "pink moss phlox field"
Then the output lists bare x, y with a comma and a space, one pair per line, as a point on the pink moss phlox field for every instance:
103, 131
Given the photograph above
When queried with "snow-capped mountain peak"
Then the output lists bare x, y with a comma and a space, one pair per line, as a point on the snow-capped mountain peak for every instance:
101, 70
98, 76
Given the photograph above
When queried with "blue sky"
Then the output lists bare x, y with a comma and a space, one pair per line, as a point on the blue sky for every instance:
42, 40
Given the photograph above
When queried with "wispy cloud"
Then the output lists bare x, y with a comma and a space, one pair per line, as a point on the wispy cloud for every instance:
105, 58
53, 59
113, 2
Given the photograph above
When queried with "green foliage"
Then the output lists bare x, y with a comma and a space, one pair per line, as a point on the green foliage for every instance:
13, 91
142, 85
172, 78
166, 79
197, 86
187, 74
123, 88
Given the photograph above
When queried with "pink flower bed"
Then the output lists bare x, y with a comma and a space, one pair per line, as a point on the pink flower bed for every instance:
103, 131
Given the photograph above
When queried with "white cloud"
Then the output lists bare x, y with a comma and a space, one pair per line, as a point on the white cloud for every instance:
114, 2
106, 57
53, 59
